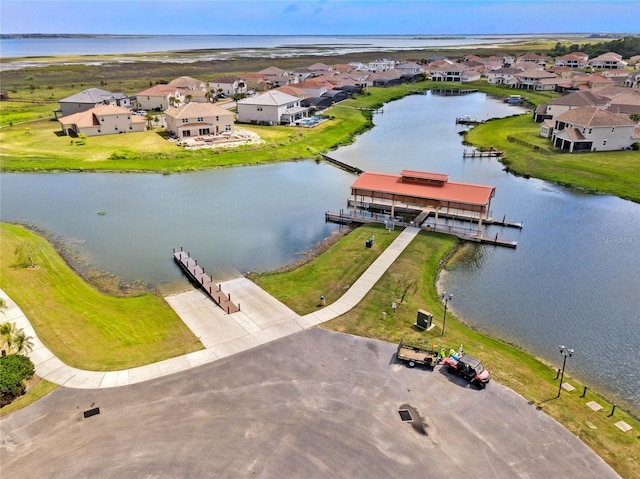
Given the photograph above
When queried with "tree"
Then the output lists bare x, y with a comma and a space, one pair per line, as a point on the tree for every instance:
15, 339
635, 117
14, 370
404, 284
173, 101
188, 98
209, 95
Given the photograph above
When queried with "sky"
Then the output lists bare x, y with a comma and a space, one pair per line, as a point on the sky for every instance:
319, 17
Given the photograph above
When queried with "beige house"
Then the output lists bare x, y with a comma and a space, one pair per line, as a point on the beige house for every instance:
159, 98
198, 119
102, 120
592, 129
608, 61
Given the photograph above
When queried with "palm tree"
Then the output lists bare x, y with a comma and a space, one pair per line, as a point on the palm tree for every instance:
23, 343
209, 95
16, 339
188, 98
173, 101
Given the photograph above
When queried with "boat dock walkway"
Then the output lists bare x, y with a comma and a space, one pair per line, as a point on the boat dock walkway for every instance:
482, 154
197, 275
263, 319
342, 165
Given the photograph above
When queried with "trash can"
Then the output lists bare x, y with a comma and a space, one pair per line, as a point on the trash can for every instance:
322, 301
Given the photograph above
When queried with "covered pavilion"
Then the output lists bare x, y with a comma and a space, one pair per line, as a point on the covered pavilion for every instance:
429, 192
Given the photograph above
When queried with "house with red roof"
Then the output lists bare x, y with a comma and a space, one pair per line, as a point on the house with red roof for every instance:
159, 97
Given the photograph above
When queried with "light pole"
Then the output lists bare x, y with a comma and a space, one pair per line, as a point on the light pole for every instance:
567, 353
446, 297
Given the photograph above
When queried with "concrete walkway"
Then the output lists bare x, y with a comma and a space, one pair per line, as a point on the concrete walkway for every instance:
262, 319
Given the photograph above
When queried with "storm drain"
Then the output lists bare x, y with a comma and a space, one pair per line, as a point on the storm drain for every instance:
405, 415
91, 412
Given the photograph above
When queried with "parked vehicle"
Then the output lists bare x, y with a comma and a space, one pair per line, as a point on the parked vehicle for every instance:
414, 355
469, 368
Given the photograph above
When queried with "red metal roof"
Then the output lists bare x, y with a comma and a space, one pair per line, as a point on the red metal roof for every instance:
466, 193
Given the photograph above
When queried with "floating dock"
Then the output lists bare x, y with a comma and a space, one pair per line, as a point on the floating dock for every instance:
465, 120
482, 154
197, 276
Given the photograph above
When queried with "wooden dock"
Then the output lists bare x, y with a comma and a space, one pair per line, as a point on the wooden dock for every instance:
197, 276
482, 154
342, 165
465, 120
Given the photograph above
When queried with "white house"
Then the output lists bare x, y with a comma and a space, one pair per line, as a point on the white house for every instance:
228, 85
533, 80
198, 119
503, 76
410, 68
102, 120
592, 129
572, 60
382, 65
159, 97
608, 61
270, 108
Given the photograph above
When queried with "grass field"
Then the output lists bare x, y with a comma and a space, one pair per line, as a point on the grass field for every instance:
83, 327
333, 271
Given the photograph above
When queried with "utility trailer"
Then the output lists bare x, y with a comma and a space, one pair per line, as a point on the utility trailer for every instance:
414, 355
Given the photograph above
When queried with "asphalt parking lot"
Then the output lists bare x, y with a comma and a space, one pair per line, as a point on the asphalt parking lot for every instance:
315, 404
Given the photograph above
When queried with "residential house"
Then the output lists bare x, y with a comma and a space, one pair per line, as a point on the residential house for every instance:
292, 90
570, 101
275, 76
102, 120
91, 98
632, 80
198, 119
410, 68
470, 75
572, 60
314, 87
186, 83
503, 76
593, 80
532, 80
270, 108
531, 59
159, 98
447, 73
608, 61
228, 85
592, 129
634, 61
382, 65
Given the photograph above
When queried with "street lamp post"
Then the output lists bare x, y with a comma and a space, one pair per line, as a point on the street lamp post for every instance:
567, 353
446, 297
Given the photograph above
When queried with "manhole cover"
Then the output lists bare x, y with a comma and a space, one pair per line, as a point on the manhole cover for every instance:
405, 415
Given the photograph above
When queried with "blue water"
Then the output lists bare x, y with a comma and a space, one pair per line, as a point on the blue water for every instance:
573, 279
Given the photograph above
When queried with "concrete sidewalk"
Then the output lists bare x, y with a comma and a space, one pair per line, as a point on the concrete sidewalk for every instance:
262, 319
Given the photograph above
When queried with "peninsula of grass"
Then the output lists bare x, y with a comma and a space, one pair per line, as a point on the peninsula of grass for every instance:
610, 172
83, 327
415, 273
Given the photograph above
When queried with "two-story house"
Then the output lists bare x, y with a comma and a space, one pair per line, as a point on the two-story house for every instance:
102, 120
91, 98
159, 98
608, 61
572, 60
592, 129
198, 119
270, 108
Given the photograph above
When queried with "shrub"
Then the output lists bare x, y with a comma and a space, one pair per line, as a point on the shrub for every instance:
14, 370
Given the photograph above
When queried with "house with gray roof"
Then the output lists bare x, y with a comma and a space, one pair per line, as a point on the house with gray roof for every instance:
91, 98
270, 108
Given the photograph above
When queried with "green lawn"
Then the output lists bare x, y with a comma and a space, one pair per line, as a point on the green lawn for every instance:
83, 327
611, 172
334, 271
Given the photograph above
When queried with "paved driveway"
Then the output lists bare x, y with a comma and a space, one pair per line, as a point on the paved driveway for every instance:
316, 404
